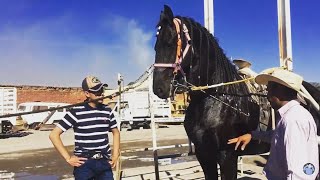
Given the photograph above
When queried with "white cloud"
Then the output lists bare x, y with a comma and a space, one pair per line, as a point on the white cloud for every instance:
50, 53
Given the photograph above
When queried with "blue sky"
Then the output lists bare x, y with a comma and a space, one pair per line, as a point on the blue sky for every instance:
59, 42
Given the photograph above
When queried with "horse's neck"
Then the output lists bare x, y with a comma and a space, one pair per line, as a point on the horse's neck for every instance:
213, 67
210, 73
207, 65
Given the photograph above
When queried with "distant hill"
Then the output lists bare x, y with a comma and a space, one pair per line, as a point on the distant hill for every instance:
316, 84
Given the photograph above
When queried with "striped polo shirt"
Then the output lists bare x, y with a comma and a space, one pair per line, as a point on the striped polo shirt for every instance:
91, 127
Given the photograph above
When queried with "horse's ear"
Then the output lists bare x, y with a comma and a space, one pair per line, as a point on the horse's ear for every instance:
168, 13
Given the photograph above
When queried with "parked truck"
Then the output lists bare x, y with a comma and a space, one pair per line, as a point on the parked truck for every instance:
47, 117
136, 108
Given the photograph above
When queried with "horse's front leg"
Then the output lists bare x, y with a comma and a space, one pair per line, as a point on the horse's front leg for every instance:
228, 161
208, 162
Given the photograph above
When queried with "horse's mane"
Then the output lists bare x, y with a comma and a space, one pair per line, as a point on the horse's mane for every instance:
212, 59
312, 90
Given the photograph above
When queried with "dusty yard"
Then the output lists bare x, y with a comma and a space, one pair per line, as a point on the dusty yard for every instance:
33, 157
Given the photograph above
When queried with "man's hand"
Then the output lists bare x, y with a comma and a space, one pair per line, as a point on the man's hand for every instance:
114, 160
76, 161
244, 139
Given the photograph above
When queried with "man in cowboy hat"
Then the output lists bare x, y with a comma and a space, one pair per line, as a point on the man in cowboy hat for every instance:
294, 148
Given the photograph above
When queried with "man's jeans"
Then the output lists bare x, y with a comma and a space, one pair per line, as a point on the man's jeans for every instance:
97, 169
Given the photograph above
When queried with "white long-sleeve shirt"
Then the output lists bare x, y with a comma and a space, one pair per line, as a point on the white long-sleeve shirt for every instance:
294, 153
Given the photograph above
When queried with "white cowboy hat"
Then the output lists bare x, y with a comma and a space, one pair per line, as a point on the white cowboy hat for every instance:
241, 63
283, 77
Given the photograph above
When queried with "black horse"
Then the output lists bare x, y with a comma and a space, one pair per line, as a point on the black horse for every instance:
188, 55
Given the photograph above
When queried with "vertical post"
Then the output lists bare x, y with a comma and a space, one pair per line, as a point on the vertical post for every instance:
154, 145
120, 79
284, 32
2, 108
118, 166
284, 25
153, 127
209, 15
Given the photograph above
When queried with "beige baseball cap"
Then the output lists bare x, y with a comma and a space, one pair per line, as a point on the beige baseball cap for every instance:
92, 83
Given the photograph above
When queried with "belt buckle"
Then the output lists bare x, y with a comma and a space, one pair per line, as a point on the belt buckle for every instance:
97, 156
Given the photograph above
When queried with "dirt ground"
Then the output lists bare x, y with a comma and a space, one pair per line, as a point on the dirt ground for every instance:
33, 157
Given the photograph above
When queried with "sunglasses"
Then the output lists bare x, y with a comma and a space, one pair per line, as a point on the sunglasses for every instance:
97, 93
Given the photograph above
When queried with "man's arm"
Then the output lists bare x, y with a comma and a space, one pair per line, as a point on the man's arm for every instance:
265, 136
57, 142
246, 138
116, 147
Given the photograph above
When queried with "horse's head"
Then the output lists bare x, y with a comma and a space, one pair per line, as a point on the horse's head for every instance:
168, 54
166, 49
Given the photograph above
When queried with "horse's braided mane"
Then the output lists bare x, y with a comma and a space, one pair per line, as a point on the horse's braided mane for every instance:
223, 69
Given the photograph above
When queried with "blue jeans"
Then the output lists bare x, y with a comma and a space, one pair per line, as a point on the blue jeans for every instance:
97, 169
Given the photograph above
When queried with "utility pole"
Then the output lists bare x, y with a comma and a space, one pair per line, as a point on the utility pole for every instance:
284, 32
209, 16
285, 44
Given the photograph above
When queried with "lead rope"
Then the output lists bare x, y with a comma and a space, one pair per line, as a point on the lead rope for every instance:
228, 105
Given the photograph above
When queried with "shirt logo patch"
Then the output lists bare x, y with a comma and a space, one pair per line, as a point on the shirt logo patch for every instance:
308, 169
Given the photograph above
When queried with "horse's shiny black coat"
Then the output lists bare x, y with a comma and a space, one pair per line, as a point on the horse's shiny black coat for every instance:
213, 116
216, 115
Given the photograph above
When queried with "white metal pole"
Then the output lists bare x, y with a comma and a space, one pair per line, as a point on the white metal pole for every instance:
209, 15
120, 79
284, 32
153, 128
118, 165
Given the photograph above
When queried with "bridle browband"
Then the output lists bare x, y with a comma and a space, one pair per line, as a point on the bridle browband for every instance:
177, 64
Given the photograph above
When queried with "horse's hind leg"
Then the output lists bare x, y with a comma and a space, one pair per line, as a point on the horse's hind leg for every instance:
208, 162
228, 161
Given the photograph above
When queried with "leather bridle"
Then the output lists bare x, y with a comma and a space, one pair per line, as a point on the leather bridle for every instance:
180, 55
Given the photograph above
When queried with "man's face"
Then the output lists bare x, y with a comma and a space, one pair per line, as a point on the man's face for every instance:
92, 95
272, 95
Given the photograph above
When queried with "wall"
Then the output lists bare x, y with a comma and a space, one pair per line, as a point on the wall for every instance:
49, 94
59, 94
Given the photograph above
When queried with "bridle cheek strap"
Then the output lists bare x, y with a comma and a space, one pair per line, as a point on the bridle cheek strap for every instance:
179, 58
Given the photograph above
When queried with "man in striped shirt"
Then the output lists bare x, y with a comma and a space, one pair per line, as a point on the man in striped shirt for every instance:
91, 123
